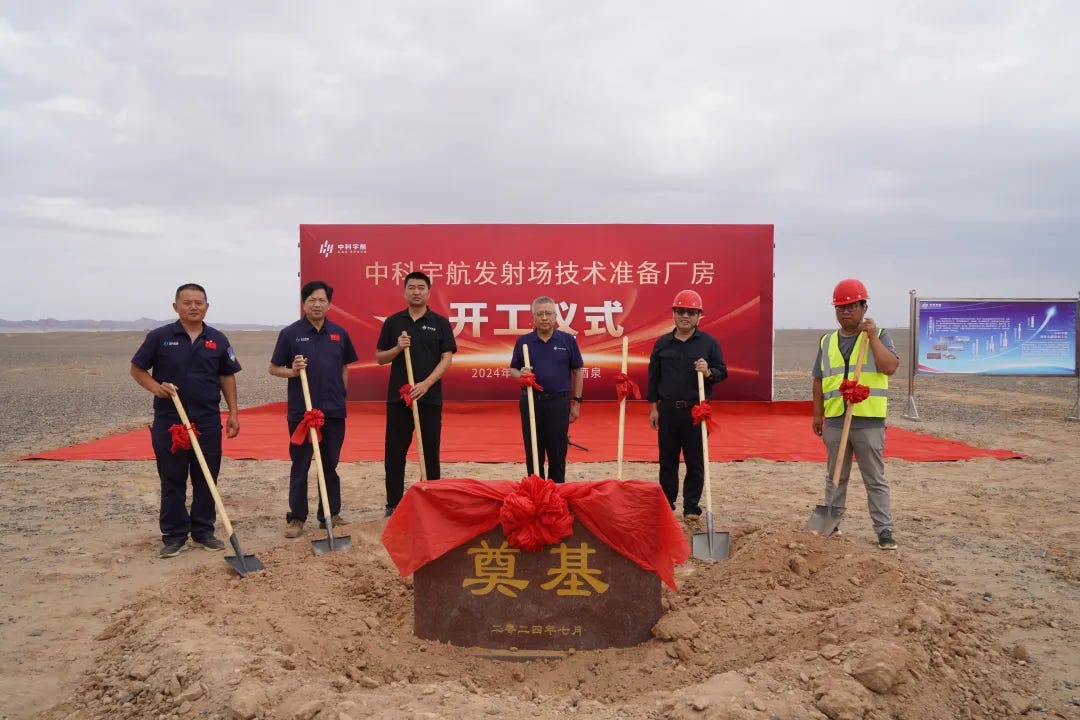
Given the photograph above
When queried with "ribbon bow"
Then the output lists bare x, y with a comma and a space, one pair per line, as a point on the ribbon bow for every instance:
403, 393
624, 387
703, 412
854, 392
180, 438
535, 515
312, 419
529, 380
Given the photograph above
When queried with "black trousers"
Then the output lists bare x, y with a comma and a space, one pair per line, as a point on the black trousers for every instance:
678, 433
333, 437
552, 433
175, 521
399, 436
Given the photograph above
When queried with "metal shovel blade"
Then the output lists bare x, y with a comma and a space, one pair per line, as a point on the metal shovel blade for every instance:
330, 543
241, 563
824, 520
711, 545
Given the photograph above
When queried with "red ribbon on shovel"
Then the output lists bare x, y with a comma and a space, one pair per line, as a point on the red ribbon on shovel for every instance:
854, 392
529, 380
403, 393
703, 412
312, 419
180, 438
625, 387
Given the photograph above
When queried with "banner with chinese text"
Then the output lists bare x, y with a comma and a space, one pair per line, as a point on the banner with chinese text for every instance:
607, 280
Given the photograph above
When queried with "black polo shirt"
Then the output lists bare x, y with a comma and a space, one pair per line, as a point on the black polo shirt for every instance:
327, 350
671, 366
169, 354
551, 359
431, 336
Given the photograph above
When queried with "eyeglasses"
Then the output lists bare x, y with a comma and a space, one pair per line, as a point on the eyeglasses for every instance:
544, 314
686, 311
849, 308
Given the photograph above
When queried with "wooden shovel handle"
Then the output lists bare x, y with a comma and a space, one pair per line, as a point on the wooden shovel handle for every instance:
202, 462
532, 415
860, 353
416, 416
316, 454
622, 413
705, 444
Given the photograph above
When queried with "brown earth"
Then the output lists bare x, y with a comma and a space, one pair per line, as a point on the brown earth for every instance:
975, 616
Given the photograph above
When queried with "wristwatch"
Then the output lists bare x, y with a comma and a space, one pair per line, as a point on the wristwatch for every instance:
578, 399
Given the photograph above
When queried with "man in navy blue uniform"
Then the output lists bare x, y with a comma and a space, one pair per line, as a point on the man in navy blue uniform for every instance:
322, 347
431, 344
676, 360
556, 366
193, 359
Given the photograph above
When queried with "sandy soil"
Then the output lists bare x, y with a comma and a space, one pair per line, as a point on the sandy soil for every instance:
976, 615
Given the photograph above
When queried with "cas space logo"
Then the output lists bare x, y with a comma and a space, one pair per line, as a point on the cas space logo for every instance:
326, 248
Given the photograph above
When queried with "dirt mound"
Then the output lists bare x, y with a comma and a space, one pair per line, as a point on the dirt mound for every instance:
791, 626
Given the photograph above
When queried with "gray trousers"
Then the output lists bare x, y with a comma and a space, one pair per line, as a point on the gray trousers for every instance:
866, 445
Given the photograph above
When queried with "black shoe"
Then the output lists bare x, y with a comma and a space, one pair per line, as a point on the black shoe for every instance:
885, 540
171, 550
389, 510
692, 513
209, 542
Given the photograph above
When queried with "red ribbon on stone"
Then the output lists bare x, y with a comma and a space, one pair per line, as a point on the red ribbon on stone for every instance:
403, 393
854, 392
312, 419
529, 380
625, 387
535, 515
703, 412
180, 438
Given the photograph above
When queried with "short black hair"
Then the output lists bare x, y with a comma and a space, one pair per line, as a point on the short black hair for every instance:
305, 292
417, 275
190, 286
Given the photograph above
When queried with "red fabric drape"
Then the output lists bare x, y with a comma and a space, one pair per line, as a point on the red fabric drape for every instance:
625, 387
312, 419
180, 438
703, 412
632, 516
529, 380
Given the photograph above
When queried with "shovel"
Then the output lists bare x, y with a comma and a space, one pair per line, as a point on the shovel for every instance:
416, 417
532, 416
709, 545
826, 518
330, 544
622, 414
241, 563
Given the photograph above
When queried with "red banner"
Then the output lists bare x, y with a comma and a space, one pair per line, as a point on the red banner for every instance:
607, 281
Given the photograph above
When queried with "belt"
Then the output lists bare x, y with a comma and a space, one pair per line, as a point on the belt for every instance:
679, 403
550, 395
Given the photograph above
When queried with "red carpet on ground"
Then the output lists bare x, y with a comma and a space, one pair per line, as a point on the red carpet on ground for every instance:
491, 432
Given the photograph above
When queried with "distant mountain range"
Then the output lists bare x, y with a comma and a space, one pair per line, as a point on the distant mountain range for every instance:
54, 325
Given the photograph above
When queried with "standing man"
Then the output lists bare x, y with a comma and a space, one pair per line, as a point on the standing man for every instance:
836, 361
431, 344
194, 358
556, 368
676, 360
325, 350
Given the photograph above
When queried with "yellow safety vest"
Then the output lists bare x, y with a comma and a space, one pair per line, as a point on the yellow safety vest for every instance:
835, 370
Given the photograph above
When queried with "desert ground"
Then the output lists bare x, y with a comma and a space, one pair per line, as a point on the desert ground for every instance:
975, 616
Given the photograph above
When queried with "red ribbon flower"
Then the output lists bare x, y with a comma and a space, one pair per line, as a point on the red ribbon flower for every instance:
703, 412
853, 392
403, 393
535, 515
312, 419
625, 387
180, 438
529, 380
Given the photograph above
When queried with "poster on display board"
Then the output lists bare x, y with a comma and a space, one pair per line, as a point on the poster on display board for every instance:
997, 336
608, 281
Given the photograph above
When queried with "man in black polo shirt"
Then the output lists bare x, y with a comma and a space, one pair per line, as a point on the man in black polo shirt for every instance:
325, 350
193, 358
556, 367
676, 359
431, 344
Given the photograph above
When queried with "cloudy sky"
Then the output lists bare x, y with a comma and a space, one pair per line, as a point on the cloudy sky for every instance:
928, 145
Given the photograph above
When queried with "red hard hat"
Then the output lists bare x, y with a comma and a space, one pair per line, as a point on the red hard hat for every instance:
849, 291
688, 299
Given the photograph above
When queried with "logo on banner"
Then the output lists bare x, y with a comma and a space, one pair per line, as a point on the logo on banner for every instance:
326, 248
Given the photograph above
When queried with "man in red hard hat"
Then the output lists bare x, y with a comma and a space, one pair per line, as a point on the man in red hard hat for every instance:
837, 359
677, 357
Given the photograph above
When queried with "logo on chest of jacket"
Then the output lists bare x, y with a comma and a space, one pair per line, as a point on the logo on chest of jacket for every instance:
335, 337
211, 345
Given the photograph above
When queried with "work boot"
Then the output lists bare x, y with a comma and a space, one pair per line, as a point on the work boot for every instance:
209, 542
885, 540
338, 522
171, 550
389, 510
294, 528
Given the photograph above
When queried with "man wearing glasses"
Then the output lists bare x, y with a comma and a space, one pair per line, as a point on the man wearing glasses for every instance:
676, 360
836, 361
322, 347
557, 370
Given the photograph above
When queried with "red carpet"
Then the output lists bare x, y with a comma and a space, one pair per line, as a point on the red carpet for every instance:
491, 432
